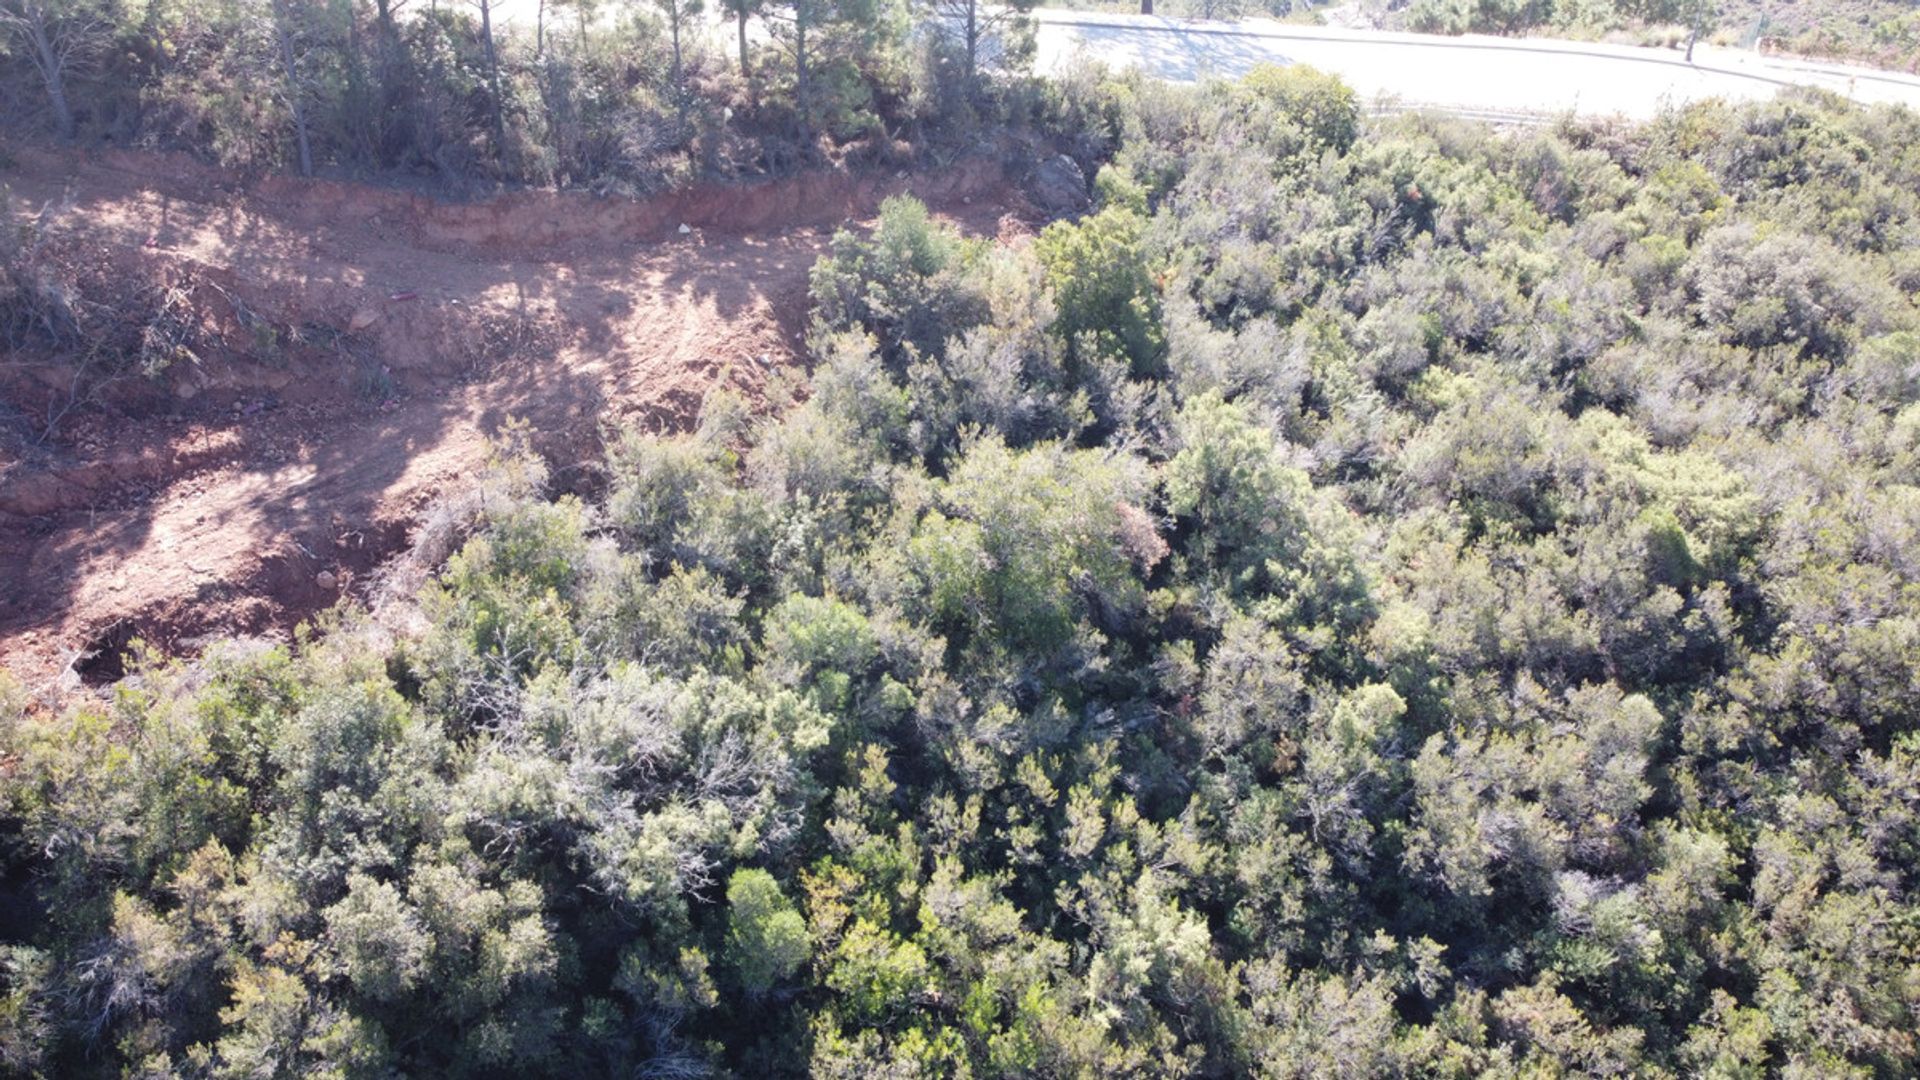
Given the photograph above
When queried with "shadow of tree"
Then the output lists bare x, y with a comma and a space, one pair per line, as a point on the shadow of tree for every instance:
1178, 55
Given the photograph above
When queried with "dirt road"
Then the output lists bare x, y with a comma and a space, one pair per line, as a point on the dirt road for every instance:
359, 347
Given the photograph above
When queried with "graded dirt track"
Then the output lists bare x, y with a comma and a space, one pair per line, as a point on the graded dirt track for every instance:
354, 350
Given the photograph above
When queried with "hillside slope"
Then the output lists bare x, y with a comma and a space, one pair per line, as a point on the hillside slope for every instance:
352, 350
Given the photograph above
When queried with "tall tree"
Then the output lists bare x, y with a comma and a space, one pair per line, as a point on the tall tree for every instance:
817, 32
988, 34
796, 25
57, 36
678, 13
584, 12
494, 88
384, 11
393, 78
1698, 14
289, 33
742, 11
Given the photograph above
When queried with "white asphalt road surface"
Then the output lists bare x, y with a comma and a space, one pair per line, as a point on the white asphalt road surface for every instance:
1466, 74
1497, 77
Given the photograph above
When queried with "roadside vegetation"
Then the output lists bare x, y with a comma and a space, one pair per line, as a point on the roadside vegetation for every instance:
616, 95
1879, 33
1369, 598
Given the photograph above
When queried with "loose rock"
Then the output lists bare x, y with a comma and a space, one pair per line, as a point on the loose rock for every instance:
1057, 185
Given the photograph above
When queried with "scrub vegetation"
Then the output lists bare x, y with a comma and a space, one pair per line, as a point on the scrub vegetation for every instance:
1369, 598
629, 96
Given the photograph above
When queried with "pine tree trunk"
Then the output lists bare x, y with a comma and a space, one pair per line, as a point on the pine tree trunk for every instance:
679, 67
53, 70
673, 26
745, 72
295, 100
973, 41
493, 78
801, 86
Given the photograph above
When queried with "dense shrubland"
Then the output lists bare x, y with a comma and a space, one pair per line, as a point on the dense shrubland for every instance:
1367, 599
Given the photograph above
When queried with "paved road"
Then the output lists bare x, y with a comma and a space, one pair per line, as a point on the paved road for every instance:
1469, 74
1472, 74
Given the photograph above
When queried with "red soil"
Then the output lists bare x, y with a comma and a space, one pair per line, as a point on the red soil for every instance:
357, 346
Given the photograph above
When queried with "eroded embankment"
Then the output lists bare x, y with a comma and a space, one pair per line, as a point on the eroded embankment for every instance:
327, 356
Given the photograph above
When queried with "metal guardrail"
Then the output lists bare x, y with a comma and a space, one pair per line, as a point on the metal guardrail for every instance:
1494, 117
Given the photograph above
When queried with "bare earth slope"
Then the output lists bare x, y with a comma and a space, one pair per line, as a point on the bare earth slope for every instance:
357, 347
